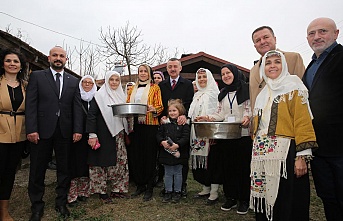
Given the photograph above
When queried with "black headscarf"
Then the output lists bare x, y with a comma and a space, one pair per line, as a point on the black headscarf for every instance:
238, 84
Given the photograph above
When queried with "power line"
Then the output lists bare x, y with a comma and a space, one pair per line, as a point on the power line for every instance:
60, 33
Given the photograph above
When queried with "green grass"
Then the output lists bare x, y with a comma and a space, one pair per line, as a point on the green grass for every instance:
135, 209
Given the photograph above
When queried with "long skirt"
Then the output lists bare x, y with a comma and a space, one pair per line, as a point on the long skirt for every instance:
293, 199
143, 154
117, 176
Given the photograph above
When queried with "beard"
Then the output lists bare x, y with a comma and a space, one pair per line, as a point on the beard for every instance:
57, 65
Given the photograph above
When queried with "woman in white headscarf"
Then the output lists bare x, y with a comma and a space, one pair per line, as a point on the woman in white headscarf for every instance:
79, 186
283, 138
107, 161
205, 101
128, 86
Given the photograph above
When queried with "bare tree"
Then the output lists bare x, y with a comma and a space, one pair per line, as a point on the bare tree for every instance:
126, 44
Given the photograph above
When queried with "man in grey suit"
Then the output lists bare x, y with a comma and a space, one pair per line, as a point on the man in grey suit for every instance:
53, 121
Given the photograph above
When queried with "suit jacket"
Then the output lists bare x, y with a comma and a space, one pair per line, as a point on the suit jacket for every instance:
183, 90
326, 101
11, 130
43, 104
295, 66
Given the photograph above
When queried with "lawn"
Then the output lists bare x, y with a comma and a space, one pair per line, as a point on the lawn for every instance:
136, 209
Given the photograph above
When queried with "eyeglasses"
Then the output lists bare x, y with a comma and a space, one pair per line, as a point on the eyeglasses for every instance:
87, 82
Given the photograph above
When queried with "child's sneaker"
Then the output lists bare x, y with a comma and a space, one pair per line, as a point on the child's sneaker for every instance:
176, 197
167, 197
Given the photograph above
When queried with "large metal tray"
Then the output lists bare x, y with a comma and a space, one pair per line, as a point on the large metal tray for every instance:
218, 130
129, 109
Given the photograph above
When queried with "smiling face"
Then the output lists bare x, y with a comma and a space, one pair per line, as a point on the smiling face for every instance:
143, 73
264, 41
157, 78
321, 34
227, 76
114, 82
57, 58
87, 84
202, 78
273, 67
174, 68
12, 64
173, 112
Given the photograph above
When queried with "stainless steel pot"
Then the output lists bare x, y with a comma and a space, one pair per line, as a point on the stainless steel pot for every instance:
129, 109
218, 130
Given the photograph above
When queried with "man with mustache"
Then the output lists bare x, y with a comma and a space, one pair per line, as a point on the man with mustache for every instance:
176, 87
53, 120
323, 78
264, 40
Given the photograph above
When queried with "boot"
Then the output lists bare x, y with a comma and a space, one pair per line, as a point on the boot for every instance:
4, 215
204, 193
213, 194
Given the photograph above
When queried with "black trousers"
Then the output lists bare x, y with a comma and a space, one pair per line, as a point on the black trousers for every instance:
10, 154
236, 159
293, 199
39, 158
328, 179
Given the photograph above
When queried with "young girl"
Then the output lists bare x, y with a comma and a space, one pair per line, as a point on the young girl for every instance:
174, 140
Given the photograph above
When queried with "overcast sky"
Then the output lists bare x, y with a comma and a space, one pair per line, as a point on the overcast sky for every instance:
221, 28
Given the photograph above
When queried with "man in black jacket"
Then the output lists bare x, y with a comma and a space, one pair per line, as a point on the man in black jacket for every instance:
53, 120
176, 87
323, 78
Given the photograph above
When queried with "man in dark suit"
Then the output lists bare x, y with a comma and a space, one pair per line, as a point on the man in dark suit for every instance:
53, 121
323, 77
176, 87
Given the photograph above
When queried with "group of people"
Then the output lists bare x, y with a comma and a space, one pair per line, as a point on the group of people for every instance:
290, 118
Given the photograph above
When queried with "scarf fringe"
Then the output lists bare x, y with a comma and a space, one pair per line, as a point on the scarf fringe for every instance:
256, 205
269, 167
199, 162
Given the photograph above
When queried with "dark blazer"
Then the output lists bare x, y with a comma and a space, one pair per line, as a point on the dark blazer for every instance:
183, 90
43, 103
326, 101
180, 134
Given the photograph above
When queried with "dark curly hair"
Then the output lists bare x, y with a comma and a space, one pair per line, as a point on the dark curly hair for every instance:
22, 75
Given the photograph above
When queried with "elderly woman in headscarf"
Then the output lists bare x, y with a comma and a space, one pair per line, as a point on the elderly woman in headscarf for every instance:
107, 157
203, 160
234, 107
79, 186
143, 148
283, 138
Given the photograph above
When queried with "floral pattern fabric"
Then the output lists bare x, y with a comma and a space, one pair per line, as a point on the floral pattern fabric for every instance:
118, 175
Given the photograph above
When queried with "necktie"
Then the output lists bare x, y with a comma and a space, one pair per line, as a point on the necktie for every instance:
58, 83
174, 84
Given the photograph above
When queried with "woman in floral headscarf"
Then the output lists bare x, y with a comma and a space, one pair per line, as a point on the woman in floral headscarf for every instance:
283, 138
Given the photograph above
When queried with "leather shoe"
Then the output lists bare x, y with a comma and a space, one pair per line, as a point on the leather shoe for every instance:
63, 210
139, 191
147, 196
36, 216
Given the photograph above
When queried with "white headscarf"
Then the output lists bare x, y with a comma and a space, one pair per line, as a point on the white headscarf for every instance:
204, 102
283, 84
87, 96
106, 96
